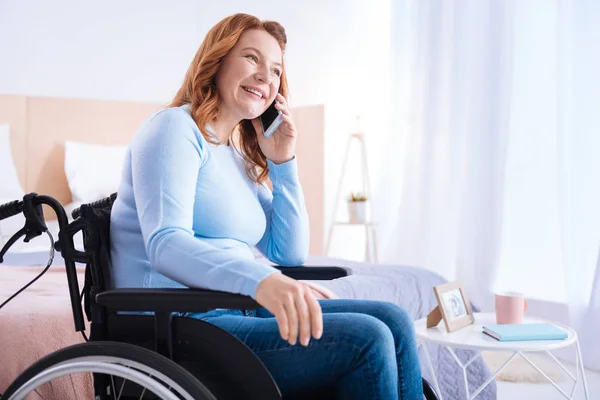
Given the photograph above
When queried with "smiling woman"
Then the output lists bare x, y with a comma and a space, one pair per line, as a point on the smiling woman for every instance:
249, 79
191, 206
247, 67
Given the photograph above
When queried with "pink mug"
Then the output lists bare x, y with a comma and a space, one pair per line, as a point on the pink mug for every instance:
510, 307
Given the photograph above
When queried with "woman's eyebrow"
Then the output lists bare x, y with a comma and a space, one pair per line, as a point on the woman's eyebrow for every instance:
259, 53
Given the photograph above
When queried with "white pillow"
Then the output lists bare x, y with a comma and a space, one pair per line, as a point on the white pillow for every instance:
10, 226
10, 187
93, 171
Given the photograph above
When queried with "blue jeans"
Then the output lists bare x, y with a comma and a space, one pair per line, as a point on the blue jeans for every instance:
368, 350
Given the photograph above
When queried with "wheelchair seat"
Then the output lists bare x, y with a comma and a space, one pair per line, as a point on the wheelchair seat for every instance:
223, 363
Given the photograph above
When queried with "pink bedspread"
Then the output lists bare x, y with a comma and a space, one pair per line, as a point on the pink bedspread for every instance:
36, 322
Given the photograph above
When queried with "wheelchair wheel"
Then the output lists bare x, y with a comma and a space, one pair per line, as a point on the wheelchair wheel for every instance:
123, 370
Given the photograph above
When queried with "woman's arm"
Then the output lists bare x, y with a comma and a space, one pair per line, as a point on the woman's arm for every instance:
286, 237
166, 158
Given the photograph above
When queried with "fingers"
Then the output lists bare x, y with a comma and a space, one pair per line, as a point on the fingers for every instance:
327, 293
316, 316
282, 104
293, 321
304, 318
315, 290
282, 322
322, 292
295, 307
284, 110
290, 124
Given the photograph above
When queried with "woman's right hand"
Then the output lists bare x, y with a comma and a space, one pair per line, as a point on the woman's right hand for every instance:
294, 306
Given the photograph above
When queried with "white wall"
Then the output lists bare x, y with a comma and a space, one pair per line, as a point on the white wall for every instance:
139, 50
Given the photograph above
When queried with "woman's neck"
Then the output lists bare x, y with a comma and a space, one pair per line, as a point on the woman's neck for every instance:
223, 127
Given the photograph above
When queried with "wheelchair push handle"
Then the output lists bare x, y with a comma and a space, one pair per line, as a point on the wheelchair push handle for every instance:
11, 209
31, 209
35, 225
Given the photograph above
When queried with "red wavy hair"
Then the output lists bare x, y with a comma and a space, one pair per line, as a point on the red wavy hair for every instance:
200, 91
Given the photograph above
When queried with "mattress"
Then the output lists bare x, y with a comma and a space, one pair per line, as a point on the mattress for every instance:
36, 322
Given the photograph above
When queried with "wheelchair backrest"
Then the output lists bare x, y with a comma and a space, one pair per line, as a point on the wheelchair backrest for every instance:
95, 221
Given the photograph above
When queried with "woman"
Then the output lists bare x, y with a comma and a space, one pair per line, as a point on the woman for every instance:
192, 204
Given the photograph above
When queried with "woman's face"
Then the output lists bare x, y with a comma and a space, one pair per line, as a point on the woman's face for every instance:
249, 76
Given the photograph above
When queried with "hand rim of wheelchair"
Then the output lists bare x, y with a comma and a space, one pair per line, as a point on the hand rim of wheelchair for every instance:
116, 359
96, 367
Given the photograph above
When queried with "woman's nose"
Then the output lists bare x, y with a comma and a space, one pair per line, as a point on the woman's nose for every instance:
263, 76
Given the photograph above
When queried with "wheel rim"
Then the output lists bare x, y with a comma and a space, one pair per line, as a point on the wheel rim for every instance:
134, 372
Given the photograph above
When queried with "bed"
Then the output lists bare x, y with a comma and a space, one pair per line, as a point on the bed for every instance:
41, 127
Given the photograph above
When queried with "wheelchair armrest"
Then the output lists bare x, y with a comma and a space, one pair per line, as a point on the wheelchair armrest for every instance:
200, 300
173, 300
313, 273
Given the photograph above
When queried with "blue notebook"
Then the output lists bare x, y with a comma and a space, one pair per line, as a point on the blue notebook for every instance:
518, 332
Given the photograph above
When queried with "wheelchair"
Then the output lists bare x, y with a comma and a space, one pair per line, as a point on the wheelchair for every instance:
140, 345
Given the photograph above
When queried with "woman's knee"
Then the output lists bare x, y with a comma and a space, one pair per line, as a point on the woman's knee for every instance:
367, 333
391, 312
398, 320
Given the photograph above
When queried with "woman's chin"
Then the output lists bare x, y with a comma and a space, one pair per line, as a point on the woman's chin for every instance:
252, 111
251, 115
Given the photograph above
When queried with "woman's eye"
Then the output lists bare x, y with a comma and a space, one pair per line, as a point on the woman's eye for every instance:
252, 57
277, 72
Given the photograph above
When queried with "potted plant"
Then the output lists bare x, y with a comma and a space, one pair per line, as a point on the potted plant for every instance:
357, 207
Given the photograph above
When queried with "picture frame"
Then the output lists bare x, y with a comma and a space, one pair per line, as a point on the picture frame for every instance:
453, 307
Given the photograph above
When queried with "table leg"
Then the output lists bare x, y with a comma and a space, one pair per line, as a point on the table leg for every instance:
430, 365
580, 361
484, 384
578, 367
464, 370
545, 376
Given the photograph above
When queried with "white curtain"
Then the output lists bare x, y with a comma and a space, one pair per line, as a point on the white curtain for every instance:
579, 167
551, 215
453, 68
492, 169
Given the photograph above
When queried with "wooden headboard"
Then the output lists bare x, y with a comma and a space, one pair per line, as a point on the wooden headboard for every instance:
39, 127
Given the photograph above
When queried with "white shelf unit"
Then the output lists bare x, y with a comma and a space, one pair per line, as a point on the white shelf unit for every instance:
370, 231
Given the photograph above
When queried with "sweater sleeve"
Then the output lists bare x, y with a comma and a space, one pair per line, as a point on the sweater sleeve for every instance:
166, 158
286, 237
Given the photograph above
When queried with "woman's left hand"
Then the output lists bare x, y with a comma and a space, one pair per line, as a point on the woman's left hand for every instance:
319, 291
281, 146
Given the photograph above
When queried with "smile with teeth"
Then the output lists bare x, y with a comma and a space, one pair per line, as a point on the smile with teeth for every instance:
256, 92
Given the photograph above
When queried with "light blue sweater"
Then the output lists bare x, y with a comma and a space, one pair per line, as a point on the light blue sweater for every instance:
187, 215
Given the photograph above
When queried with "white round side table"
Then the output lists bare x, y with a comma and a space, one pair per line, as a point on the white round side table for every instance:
472, 337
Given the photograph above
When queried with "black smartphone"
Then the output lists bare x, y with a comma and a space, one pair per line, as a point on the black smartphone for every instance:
270, 119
